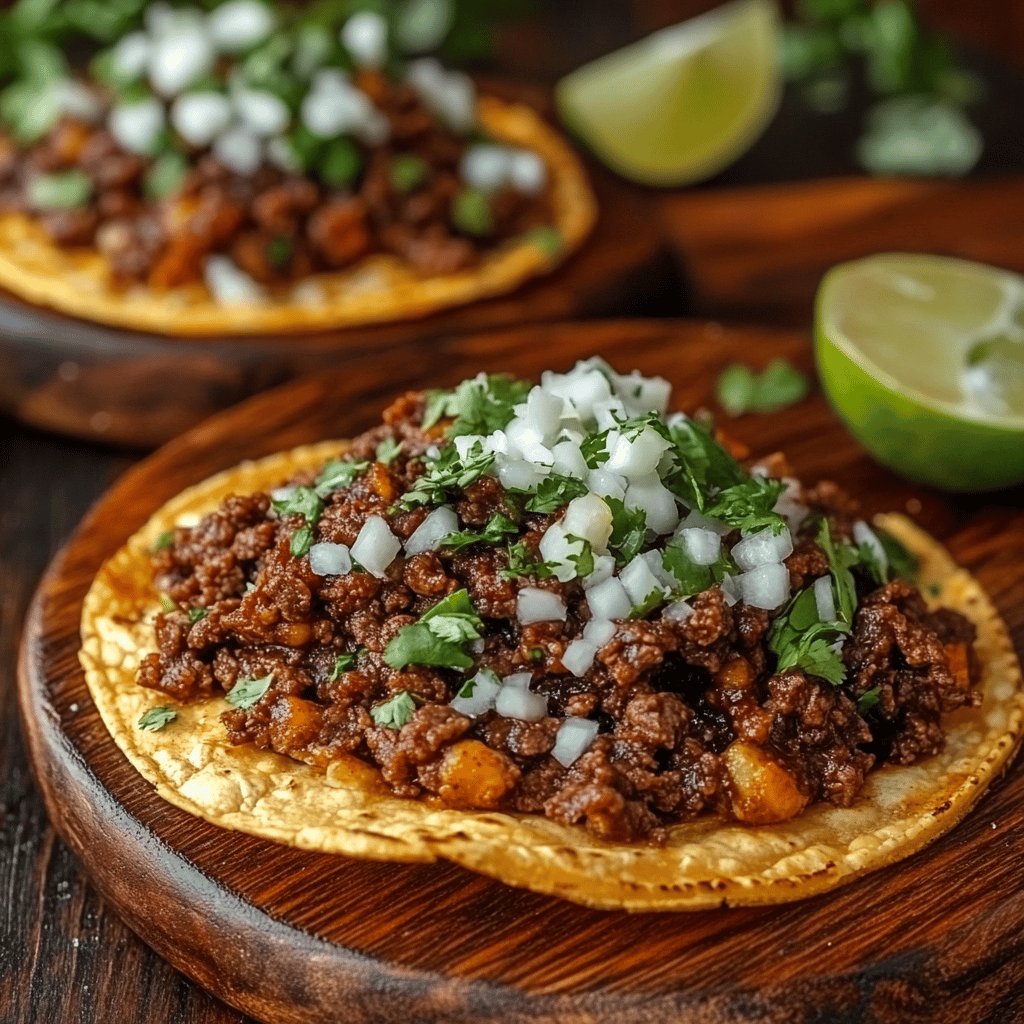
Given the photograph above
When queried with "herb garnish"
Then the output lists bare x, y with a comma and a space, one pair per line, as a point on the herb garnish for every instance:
554, 492
338, 473
302, 541
868, 699
440, 636
629, 528
343, 663
394, 713
749, 506
692, 578
164, 541
195, 615
521, 563
740, 390
156, 718
480, 405
498, 527
247, 692
449, 471
387, 451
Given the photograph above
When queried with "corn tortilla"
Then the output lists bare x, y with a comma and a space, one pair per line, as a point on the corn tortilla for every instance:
379, 288
349, 811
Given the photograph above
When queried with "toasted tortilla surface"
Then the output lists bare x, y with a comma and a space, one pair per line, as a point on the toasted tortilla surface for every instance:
706, 862
378, 289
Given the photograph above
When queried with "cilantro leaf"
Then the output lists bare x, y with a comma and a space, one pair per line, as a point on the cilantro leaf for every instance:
629, 530
156, 718
248, 692
521, 563
702, 467
840, 558
299, 501
439, 637
394, 713
338, 473
302, 541
445, 473
800, 640
868, 699
594, 449
740, 390
164, 541
554, 492
344, 662
388, 450
582, 559
692, 578
195, 614
749, 506
481, 405
497, 529
653, 600
902, 563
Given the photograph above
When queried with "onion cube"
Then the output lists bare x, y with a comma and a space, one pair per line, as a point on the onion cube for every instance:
604, 568
609, 600
130, 55
677, 611
199, 117
579, 656
824, 599
376, 546
605, 484
567, 460
179, 58
327, 559
365, 36
262, 112
639, 581
599, 632
561, 552
484, 687
238, 150
519, 475
137, 126
544, 412
527, 172
239, 24
485, 167
767, 586
702, 546
644, 394
429, 534
229, 284
638, 456
521, 703
589, 517
574, 737
697, 520
536, 605
763, 548
657, 502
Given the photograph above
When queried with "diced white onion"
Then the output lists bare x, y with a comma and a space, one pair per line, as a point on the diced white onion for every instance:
604, 568
678, 611
238, 150
199, 117
560, 551
239, 24
449, 94
702, 546
527, 172
599, 632
763, 548
582, 388
657, 501
639, 581
824, 599
521, 679
643, 394
327, 559
863, 534
521, 703
698, 521
429, 534
376, 546
485, 167
567, 460
137, 126
130, 56
77, 100
262, 112
365, 36
516, 474
179, 58
789, 505
607, 485
485, 691
536, 605
544, 412
335, 108
639, 456
609, 600
229, 284
579, 656
767, 586
730, 589
574, 737
589, 517
655, 563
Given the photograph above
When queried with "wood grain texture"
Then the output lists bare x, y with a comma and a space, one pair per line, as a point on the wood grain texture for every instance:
760, 252
102, 383
295, 937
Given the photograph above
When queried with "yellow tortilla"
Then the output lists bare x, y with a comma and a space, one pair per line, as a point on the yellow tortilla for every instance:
379, 288
707, 862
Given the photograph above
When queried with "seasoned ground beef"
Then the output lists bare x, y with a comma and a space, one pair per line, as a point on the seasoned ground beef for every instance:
687, 708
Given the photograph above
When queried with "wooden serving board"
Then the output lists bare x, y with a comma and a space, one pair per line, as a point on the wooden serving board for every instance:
295, 938
139, 389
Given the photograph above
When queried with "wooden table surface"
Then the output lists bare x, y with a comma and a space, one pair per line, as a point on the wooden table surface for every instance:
753, 246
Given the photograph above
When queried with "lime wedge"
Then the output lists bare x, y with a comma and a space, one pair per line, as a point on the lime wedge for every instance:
684, 103
923, 357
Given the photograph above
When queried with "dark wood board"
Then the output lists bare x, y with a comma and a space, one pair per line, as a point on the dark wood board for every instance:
138, 389
289, 936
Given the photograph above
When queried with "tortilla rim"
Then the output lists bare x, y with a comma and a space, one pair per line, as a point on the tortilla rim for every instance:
379, 289
706, 862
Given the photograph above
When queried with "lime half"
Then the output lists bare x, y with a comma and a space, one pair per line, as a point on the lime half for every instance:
684, 103
923, 357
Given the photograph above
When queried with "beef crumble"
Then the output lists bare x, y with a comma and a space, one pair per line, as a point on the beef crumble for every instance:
689, 710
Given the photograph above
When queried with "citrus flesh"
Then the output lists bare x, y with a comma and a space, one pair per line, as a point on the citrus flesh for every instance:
923, 357
685, 102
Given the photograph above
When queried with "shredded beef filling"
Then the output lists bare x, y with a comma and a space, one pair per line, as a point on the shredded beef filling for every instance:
688, 710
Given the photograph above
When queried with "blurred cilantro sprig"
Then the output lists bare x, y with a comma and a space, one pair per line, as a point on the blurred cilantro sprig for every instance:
918, 124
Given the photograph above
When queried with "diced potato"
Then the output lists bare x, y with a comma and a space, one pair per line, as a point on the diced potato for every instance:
474, 775
294, 723
760, 789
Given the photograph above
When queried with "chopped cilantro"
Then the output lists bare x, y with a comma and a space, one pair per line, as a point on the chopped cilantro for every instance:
629, 528
394, 713
480, 405
702, 467
595, 449
156, 718
195, 614
902, 564
339, 162
279, 252
342, 663
741, 390
692, 578
471, 212
554, 492
582, 559
653, 600
164, 541
61, 190
338, 473
521, 563
439, 637
247, 692
387, 451
447, 472
868, 699
748, 506
546, 238
300, 501
933, 589
536, 654
800, 640
408, 172
840, 558
498, 527
302, 541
